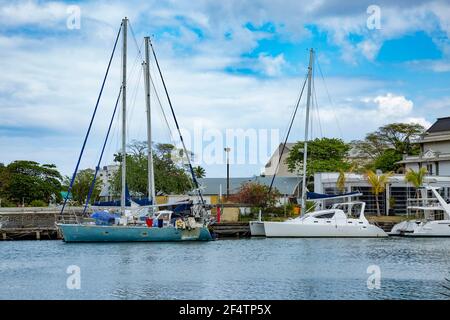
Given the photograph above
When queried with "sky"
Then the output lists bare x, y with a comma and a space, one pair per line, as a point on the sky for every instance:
231, 67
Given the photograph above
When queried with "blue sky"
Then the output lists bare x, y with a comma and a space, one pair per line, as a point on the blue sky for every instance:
228, 65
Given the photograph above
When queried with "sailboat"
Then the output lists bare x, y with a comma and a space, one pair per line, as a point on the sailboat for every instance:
430, 225
342, 220
138, 223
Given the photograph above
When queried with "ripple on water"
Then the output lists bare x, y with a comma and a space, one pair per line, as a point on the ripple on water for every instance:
228, 269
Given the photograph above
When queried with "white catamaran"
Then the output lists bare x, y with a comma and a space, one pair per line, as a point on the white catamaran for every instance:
430, 225
334, 222
187, 221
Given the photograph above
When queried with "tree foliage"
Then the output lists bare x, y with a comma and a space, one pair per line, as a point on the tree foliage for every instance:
257, 195
199, 172
416, 178
324, 155
81, 186
25, 181
378, 185
171, 176
387, 145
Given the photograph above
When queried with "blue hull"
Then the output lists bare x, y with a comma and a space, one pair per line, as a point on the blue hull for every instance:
96, 233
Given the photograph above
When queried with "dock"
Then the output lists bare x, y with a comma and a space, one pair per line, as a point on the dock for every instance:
231, 229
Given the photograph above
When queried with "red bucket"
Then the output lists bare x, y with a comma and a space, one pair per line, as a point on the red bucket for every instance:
149, 222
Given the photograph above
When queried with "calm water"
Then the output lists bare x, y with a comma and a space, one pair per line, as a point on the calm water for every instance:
227, 269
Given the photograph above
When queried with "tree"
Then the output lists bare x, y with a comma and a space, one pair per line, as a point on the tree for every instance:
416, 178
199, 172
386, 146
25, 181
378, 185
82, 185
342, 179
170, 176
387, 161
257, 195
324, 155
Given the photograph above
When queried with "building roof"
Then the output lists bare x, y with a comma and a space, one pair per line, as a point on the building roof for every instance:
442, 124
211, 186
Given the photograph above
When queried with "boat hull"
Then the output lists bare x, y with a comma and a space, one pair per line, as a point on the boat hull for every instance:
299, 230
97, 233
413, 228
257, 229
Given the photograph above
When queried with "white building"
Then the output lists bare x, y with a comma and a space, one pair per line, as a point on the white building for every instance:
434, 150
104, 175
275, 166
392, 201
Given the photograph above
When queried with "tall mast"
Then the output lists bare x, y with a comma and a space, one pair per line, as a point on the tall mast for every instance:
151, 176
305, 145
124, 114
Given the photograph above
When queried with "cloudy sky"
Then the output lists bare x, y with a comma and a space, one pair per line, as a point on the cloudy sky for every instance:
228, 65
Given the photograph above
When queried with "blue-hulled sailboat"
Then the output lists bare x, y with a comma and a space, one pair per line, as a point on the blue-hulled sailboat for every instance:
134, 223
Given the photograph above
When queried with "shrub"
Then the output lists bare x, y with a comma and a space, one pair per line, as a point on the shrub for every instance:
38, 203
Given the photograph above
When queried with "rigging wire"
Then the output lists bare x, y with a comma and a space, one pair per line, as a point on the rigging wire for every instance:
97, 168
288, 132
329, 98
91, 122
196, 185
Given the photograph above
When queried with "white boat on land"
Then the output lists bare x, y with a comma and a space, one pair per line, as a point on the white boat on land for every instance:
257, 227
429, 226
342, 220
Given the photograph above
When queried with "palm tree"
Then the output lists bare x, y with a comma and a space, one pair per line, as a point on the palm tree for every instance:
416, 178
378, 184
342, 179
199, 172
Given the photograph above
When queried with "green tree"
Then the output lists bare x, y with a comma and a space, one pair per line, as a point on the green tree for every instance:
378, 185
387, 161
342, 179
199, 172
416, 178
170, 176
81, 186
324, 155
28, 180
386, 146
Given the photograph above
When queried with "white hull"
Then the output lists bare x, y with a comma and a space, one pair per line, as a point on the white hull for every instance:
257, 229
300, 230
414, 228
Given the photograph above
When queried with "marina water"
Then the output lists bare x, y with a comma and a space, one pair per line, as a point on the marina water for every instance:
227, 269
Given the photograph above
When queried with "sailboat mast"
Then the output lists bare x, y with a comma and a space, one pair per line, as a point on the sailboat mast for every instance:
124, 114
151, 175
305, 145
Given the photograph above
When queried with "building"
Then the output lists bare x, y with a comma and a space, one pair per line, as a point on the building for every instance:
434, 150
275, 166
216, 187
104, 176
392, 201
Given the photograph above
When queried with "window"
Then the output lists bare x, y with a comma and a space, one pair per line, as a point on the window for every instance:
430, 169
325, 215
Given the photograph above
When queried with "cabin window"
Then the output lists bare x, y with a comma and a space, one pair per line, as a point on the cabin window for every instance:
325, 215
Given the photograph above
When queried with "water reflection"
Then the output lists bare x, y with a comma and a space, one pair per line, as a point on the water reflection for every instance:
238, 269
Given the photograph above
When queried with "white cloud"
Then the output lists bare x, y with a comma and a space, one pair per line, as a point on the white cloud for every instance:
52, 81
271, 65
393, 106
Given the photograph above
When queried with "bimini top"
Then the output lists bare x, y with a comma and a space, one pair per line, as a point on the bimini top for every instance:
319, 196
